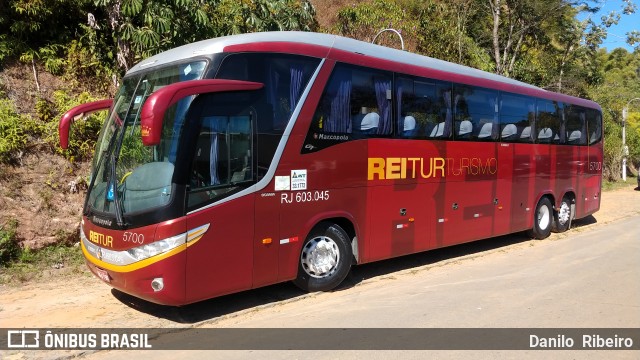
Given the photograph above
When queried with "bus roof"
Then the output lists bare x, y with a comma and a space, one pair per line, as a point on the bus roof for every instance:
329, 42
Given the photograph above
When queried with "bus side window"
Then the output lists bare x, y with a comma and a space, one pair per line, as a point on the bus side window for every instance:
422, 108
548, 122
284, 77
370, 103
576, 127
355, 101
516, 118
222, 159
475, 113
594, 126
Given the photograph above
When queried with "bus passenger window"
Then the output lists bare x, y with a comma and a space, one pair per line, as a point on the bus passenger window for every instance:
548, 122
576, 125
422, 108
355, 101
594, 126
284, 77
476, 112
517, 115
222, 160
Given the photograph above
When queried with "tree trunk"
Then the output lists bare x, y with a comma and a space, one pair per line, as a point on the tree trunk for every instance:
122, 46
35, 74
495, 10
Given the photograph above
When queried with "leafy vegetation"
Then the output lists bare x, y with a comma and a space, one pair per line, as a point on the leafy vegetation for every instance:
19, 264
9, 246
31, 264
82, 138
15, 131
19, 132
620, 83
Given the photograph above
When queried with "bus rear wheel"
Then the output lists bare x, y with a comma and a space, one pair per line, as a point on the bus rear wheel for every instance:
542, 219
325, 259
562, 217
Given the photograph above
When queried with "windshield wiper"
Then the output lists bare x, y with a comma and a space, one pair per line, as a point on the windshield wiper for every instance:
94, 175
116, 197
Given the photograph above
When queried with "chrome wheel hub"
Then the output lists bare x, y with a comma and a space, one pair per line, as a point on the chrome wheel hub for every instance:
564, 213
320, 256
544, 218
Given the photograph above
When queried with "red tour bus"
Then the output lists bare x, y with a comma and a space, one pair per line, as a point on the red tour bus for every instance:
243, 161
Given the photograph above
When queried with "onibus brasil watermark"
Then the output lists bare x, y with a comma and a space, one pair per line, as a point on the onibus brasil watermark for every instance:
41, 339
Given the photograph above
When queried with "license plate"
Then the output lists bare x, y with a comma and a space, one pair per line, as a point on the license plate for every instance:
102, 274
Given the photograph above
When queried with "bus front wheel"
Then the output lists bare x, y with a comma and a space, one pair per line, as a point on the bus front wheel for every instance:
542, 219
325, 259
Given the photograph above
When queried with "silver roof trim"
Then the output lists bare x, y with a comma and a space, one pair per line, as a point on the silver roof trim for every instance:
217, 45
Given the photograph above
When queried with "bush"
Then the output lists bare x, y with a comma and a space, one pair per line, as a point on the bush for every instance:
9, 246
19, 132
83, 133
15, 131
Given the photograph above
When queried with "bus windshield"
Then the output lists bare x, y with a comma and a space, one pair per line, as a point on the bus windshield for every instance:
128, 177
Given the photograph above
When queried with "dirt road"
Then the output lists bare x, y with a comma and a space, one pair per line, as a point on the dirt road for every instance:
86, 302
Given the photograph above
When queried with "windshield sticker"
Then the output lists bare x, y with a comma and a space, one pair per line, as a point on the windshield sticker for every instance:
110, 193
299, 179
138, 99
282, 183
187, 70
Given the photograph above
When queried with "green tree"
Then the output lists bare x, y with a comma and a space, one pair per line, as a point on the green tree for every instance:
517, 26
579, 40
243, 16
433, 28
444, 33
364, 20
621, 83
37, 30
143, 28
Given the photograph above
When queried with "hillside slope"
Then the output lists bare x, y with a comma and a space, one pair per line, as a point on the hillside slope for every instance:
36, 188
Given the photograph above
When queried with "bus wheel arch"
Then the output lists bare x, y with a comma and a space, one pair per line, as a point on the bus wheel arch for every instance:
326, 256
542, 218
564, 213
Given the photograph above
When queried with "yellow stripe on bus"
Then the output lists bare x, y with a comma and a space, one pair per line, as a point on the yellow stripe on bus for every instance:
137, 265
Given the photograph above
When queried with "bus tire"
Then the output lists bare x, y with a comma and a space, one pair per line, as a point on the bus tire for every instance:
542, 219
562, 217
325, 258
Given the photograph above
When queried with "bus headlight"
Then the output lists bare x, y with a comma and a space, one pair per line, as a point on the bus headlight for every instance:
128, 257
157, 247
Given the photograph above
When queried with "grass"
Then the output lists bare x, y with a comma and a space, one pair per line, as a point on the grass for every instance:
53, 260
614, 185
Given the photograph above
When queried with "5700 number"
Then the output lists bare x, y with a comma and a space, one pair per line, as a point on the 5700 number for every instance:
595, 166
133, 237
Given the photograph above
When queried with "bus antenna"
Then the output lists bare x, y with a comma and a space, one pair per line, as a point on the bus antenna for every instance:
392, 30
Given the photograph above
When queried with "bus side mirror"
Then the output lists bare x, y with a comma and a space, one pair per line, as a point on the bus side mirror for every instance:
154, 108
78, 112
